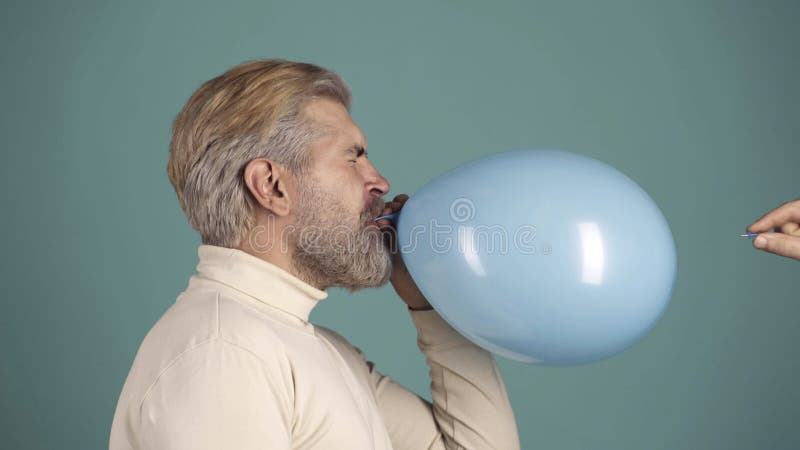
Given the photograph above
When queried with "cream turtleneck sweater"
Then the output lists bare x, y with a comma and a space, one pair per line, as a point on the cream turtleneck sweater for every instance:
234, 364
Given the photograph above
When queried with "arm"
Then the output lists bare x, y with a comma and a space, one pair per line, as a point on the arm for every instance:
470, 404
217, 395
470, 407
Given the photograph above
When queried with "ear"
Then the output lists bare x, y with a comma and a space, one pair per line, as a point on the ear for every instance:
268, 184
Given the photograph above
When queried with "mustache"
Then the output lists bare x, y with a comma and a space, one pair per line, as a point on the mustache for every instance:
373, 209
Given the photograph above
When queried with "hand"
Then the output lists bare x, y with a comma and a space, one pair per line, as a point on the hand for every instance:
785, 243
401, 280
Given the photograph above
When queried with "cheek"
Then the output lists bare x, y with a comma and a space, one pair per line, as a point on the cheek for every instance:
349, 202
347, 188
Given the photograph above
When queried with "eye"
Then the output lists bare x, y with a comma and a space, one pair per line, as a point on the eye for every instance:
356, 152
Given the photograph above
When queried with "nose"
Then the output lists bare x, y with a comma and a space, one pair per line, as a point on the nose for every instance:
376, 183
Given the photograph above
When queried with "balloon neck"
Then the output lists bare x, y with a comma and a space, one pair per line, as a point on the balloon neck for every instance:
392, 217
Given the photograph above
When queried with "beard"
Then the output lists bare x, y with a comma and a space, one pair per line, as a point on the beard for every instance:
329, 250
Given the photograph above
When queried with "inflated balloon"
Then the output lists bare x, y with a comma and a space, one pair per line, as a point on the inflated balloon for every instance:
540, 256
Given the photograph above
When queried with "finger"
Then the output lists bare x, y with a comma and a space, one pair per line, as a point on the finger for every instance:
391, 207
386, 211
399, 201
385, 223
779, 243
788, 212
791, 228
395, 206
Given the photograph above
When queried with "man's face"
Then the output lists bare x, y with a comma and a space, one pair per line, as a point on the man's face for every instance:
336, 243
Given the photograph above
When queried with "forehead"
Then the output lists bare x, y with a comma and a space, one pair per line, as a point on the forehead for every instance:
339, 130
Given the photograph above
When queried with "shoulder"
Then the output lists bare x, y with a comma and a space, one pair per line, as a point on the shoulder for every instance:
333, 336
206, 316
206, 324
210, 339
344, 346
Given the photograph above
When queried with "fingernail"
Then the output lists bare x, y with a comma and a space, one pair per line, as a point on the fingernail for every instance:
761, 242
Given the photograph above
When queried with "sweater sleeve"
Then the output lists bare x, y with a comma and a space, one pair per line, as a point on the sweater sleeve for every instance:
470, 407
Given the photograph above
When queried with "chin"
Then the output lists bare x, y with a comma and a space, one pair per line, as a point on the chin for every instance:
377, 281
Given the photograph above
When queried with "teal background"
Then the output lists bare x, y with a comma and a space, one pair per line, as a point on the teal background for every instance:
695, 100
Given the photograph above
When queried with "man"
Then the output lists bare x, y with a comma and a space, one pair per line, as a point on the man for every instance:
272, 172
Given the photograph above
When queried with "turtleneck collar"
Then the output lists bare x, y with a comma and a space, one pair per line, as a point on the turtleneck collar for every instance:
260, 279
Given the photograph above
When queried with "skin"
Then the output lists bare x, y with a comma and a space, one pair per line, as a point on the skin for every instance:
331, 205
785, 241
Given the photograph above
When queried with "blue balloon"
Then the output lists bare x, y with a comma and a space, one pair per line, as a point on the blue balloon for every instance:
540, 256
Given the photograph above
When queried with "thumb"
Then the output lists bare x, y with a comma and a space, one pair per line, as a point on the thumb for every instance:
779, 243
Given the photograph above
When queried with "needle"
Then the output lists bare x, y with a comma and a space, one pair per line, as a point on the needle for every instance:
749, 235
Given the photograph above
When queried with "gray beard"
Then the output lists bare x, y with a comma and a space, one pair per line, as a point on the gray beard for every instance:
328, 252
